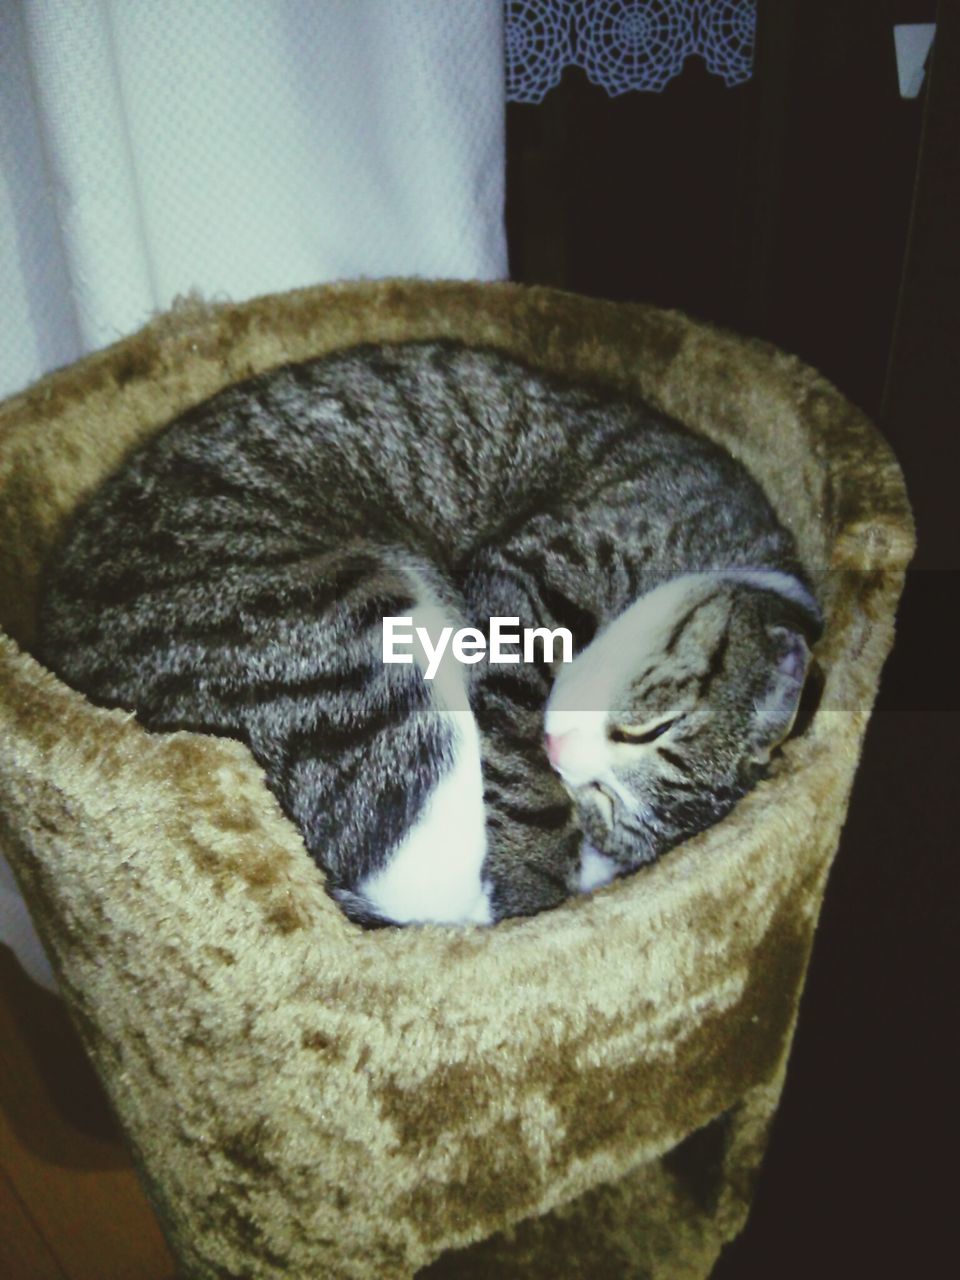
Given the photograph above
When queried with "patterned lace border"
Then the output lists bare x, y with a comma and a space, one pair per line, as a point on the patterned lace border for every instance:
624, 45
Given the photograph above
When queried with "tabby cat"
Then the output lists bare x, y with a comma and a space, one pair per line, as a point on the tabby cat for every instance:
233, 575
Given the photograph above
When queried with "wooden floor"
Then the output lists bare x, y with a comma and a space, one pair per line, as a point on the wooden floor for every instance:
70, 1204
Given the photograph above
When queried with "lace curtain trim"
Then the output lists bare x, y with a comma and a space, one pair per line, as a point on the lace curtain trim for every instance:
624, 45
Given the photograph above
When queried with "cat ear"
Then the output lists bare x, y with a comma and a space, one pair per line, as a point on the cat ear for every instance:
775, 713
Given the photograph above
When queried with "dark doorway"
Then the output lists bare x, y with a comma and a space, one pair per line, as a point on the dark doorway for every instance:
815, 207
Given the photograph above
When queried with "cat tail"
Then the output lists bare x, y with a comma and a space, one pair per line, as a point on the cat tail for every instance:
361, 910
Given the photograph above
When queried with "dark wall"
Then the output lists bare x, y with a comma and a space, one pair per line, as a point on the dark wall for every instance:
816, 208
634, 197
779, 207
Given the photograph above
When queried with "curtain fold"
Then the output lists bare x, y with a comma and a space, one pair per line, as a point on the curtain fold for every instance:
236, 147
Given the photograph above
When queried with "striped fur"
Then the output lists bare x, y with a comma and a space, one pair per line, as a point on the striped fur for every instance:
232, 577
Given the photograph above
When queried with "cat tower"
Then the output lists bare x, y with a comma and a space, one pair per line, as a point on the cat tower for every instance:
583, 1094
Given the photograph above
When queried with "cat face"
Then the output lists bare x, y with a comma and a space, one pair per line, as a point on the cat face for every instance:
671, 714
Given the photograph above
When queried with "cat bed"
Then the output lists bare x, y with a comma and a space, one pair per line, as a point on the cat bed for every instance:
584, 1093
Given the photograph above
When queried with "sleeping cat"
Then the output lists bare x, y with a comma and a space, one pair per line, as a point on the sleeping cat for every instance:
233, 575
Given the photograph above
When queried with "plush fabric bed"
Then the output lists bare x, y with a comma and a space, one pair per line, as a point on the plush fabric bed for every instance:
585, 1093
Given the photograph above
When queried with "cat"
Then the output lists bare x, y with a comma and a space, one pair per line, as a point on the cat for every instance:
233, 576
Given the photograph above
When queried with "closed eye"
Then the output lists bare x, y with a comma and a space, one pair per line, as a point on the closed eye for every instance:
636, 737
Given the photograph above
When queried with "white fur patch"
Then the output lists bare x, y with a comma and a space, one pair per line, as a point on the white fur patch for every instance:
585, 690
583, 693
579, 702
596, 869
434, 874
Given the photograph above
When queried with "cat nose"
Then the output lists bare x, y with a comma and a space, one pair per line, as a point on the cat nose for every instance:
557, 744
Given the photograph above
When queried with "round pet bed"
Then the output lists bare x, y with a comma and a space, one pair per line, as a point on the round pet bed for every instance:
584, 1093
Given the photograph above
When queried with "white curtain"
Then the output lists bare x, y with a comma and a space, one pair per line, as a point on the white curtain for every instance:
236, 147
150, 148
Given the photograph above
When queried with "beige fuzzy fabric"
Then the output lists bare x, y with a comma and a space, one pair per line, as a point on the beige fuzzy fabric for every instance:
582, 1094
